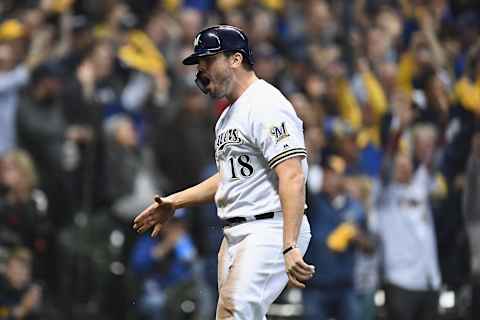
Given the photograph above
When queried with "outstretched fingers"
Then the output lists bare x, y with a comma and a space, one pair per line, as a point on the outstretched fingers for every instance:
156, 229
144, 220
145, 214
144, 226
154, 215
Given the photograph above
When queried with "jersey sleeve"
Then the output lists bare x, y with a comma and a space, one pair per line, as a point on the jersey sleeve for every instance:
278, 133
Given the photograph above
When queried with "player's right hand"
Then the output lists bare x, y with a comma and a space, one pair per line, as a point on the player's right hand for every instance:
156, 215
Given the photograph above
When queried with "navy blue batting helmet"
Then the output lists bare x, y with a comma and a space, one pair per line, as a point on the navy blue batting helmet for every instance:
221, 38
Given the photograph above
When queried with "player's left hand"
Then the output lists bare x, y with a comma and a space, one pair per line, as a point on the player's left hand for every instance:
297, 270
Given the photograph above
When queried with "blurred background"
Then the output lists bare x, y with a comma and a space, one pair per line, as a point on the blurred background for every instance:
97, 114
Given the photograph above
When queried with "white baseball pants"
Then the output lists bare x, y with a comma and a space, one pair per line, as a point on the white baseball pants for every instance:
251, 268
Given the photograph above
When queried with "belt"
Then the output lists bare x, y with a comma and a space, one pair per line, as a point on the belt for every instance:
238, 220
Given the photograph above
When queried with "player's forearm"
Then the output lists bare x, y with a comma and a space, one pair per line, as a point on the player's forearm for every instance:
201, 193
292, 196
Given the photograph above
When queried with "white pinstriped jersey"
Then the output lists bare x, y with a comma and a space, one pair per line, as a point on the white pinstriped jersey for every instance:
254, 134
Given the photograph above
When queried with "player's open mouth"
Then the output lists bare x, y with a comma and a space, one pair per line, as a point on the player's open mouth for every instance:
202, 82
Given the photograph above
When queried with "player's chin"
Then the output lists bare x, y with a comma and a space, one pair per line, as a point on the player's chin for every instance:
215, 95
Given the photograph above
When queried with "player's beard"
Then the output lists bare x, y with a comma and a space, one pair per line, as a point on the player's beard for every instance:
222, 84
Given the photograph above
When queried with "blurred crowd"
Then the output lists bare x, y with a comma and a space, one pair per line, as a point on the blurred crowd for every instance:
97, 114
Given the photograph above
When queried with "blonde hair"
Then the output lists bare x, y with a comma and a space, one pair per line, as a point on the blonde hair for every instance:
23, 161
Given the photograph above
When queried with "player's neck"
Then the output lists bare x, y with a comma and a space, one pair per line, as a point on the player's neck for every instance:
242, 82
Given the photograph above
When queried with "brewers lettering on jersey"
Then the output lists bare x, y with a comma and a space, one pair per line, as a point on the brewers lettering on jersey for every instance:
259, 189
231, 136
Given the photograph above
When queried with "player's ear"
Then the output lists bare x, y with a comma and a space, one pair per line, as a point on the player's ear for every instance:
236, 60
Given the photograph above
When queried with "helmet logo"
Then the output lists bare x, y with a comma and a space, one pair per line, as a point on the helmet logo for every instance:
196, 42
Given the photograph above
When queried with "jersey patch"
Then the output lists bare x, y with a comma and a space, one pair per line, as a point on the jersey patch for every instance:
279, 132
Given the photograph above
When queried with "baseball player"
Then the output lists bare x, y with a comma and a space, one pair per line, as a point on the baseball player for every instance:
259, 189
